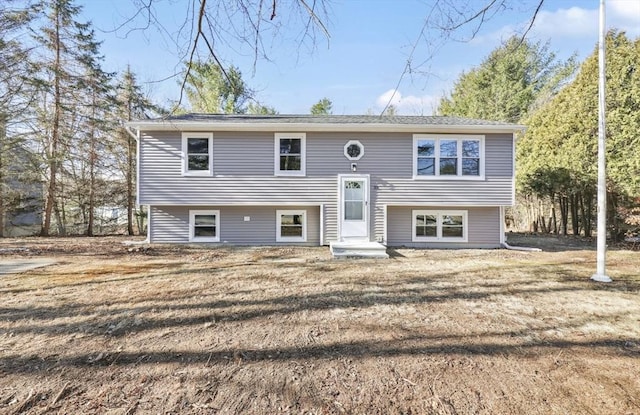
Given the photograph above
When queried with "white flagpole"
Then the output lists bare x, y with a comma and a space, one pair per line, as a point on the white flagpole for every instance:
601, 275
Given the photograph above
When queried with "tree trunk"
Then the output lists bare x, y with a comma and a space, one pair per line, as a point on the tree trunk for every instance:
53, 161
575, 215
564, 213
92, 173
130, 183
3, 136
59, 212
586, 205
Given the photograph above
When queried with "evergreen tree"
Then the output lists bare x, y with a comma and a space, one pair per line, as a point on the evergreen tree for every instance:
67, 51
256, 108
512, 81
209, 89
16, 93
562, 136
132, 104
322, 107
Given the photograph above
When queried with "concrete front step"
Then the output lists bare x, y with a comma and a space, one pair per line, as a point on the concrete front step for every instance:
355, 249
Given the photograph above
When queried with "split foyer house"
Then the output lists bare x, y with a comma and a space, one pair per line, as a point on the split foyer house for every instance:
415, 181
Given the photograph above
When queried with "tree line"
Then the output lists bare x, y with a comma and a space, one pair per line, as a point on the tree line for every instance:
64, 150
62, 121
63, 146
524, 82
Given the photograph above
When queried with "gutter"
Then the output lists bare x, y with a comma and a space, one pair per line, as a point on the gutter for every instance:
520, 248
320, 127
131, 131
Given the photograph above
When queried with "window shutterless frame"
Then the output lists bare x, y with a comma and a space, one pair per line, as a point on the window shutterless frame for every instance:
439, 226
204, 226
448, 157
290, 154
197, 154
291, 225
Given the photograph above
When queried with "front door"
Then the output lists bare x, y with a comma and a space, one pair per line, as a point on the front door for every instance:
354, 207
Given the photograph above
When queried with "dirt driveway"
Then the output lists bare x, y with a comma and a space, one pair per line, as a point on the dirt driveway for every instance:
116, 330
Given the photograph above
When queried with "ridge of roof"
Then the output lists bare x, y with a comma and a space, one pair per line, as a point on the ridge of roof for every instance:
327, 119
327, 123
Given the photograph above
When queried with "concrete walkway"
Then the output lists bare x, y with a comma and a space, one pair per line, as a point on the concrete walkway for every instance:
16, 266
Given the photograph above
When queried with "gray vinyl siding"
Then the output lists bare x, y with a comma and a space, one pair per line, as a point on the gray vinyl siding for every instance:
243, 165
170, 224
483, 223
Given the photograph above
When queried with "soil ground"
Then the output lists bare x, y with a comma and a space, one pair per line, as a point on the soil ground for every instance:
111, 329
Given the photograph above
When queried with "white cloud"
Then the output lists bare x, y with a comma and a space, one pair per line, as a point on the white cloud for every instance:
625, 15
408, 105
574, 22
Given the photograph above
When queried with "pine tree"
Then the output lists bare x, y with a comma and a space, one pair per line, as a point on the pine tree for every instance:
322, 107
67, 49
512, 81
16, 89
562, 136
132, 104
210, 89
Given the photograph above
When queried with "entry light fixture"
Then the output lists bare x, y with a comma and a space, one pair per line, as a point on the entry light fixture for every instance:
354, 167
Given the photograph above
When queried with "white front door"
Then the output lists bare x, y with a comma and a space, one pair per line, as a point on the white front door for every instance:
354, 207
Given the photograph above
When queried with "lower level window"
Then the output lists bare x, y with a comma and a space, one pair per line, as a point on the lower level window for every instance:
291, 226
204, 225
439, 226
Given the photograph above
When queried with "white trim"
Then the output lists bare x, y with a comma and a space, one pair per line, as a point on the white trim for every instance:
439, 214
185, 164
321, 224
437, 176
149, 216
349, 144
367, 209
279, 237
513, 170
167, 125
138, 147
272, 203
192, 215
502, 229
385, 229
303, 154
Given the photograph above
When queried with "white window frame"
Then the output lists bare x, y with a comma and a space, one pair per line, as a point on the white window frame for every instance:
279, 237
439, 214
459, 138
185, 155
349, 144
303, 156
192, 217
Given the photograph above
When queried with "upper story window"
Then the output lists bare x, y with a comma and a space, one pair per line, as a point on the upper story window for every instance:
353, 150
448, 156
197, 154
290, 155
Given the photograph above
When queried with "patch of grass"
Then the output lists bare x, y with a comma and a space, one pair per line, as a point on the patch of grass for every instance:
289, 330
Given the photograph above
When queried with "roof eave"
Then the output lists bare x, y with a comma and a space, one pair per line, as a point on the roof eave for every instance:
318, 127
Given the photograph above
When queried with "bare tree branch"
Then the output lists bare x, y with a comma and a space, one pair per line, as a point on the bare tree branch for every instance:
533, 19
455, 16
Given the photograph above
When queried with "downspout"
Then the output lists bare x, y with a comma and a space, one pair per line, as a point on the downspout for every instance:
135, 134
503, 242
520, 248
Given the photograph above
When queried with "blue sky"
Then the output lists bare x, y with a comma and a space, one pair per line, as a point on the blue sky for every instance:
360, 65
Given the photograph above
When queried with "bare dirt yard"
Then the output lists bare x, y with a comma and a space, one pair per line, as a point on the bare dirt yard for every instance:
111, 329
